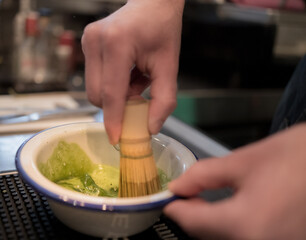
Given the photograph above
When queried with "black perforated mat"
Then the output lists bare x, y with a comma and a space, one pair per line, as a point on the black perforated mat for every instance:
26, 214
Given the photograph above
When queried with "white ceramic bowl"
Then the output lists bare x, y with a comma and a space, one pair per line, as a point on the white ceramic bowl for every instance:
100, 216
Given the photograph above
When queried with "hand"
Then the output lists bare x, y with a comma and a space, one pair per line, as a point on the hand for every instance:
144, 33
269, 203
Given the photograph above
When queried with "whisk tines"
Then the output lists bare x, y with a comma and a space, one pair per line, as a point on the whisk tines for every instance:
138, 171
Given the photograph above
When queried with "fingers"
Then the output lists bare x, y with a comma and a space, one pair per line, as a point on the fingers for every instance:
202, 219
115, 81
93, 63
107, 72
163, 92
206, 174
109, 59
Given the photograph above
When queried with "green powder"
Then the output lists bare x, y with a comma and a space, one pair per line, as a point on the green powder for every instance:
70, 167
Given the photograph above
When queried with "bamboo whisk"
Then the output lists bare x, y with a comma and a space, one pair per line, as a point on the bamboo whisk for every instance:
138, 172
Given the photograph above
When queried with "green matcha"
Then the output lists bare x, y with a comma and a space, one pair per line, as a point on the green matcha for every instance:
102, 181
70, 167
67, 160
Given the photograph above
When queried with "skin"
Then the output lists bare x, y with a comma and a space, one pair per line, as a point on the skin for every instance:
269, 200
268, 177
144, 33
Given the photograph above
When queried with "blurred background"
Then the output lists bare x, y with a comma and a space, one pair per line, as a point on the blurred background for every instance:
236, 57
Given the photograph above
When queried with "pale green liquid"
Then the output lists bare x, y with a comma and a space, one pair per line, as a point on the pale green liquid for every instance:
71, 168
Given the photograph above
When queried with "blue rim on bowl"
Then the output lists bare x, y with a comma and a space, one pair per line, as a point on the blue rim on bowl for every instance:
75, 199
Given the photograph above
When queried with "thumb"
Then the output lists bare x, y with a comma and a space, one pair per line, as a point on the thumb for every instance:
212, 173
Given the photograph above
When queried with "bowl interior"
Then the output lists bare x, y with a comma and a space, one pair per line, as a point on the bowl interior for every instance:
170, 156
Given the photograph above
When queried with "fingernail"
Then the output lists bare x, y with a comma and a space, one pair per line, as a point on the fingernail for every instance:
155, 125
113, 141
117, 147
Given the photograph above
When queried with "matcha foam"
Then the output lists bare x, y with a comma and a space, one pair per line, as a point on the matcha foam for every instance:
70, 167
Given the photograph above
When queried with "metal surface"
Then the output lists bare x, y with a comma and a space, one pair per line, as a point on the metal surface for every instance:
9, 145
202, 145
49, 114
249, 14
